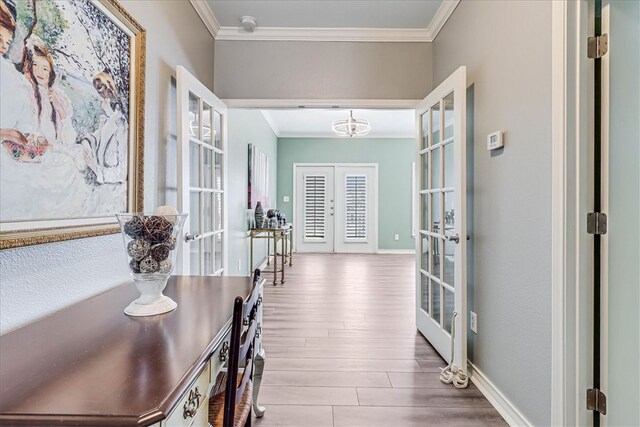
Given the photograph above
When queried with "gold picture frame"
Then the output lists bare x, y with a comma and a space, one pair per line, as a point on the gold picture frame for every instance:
25, 233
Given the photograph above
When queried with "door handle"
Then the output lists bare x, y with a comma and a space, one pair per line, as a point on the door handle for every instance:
189, 237
455, 238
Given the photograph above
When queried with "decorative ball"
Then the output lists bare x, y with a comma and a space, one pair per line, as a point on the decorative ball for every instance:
164, 266
168, 212
160, 252
138, 249
157, 229
148, 265
171, 243
271, 213
134, 227
134, 266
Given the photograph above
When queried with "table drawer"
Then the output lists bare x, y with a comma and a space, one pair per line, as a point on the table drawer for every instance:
195, 398
219, 358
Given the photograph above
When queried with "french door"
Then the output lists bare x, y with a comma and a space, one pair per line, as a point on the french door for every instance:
442, 244
202, 143
336, 206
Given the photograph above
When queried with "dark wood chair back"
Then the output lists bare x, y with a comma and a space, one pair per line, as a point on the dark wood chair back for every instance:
243, 334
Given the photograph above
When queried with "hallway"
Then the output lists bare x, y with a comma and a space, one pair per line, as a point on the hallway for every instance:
342, 350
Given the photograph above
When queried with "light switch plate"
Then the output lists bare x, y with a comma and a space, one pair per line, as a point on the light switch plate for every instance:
285, 199
494, 140
473, 324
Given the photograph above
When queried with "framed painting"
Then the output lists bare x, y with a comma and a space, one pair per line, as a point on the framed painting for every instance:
258, 179
71, 119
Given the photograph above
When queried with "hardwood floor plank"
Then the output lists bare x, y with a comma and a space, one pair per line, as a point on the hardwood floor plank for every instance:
449, 397
346, 365
296, 416
326, 379
334, 396
362, 352
379, 416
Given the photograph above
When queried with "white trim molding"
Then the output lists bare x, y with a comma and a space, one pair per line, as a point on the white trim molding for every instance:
207, 16
396, 251
442, 15
558, 206
504, 406
399, 35
322, 103
418, 35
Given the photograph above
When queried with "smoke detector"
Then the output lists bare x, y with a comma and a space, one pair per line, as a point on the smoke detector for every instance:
248, 23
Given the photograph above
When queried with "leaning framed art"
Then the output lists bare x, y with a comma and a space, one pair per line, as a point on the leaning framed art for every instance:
71, 119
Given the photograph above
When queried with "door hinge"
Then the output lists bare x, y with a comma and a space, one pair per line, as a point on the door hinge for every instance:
596, 223
597, 46
596, 401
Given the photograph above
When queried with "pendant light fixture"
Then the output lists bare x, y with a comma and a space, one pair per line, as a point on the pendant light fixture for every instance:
351, 127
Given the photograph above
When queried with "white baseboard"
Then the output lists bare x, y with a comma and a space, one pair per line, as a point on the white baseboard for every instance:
396, 251
509, 412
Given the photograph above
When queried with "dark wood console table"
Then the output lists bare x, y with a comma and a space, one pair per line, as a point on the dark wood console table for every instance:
90, 364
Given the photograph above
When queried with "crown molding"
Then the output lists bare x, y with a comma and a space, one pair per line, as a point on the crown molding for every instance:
398, 35
206, 14
272, 124
440, 18
296, 135
325, 34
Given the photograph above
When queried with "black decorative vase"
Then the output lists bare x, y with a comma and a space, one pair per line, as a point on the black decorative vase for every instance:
259, 215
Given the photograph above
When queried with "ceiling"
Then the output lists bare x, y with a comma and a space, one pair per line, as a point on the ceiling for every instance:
327, 20
327, 13
316, 122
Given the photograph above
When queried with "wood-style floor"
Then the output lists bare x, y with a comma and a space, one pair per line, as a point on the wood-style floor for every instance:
342, 350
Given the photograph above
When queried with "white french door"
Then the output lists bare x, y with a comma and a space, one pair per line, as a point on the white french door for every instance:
202, 159
355, 209
442, 245
337, 207
315, 208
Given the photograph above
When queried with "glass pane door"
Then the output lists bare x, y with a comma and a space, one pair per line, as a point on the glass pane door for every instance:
441, 276
201, 177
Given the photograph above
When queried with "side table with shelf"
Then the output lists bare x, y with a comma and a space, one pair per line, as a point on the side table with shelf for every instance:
284, 235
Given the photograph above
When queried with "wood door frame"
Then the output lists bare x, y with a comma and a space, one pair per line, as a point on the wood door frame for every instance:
334, 165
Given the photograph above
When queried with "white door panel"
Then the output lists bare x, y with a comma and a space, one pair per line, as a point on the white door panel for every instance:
355, 209
202, 159
442, 245
315, 208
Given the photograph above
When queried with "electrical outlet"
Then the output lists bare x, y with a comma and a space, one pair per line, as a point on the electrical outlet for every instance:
285, 199
397, 237
473, 324
239, 265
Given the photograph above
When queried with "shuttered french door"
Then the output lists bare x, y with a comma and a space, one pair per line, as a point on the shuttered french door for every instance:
336, 206
315, 208
355, 209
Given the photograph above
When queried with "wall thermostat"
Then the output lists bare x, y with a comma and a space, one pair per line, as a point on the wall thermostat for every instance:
494, 140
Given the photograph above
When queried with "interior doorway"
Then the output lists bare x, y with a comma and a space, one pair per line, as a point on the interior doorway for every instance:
336, 208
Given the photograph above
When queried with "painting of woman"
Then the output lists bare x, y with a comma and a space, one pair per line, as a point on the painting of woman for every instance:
64, 121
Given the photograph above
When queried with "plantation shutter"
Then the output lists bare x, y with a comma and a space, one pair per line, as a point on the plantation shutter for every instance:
315, 189
356, 207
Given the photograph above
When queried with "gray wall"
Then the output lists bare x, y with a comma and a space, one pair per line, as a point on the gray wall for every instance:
243, 128
322, 70
38, 280
623, 394
509, 74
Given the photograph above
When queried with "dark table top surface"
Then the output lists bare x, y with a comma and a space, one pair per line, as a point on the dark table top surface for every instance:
90, 364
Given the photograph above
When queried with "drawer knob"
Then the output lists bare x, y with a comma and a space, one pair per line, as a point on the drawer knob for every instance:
224, 352
192, 404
